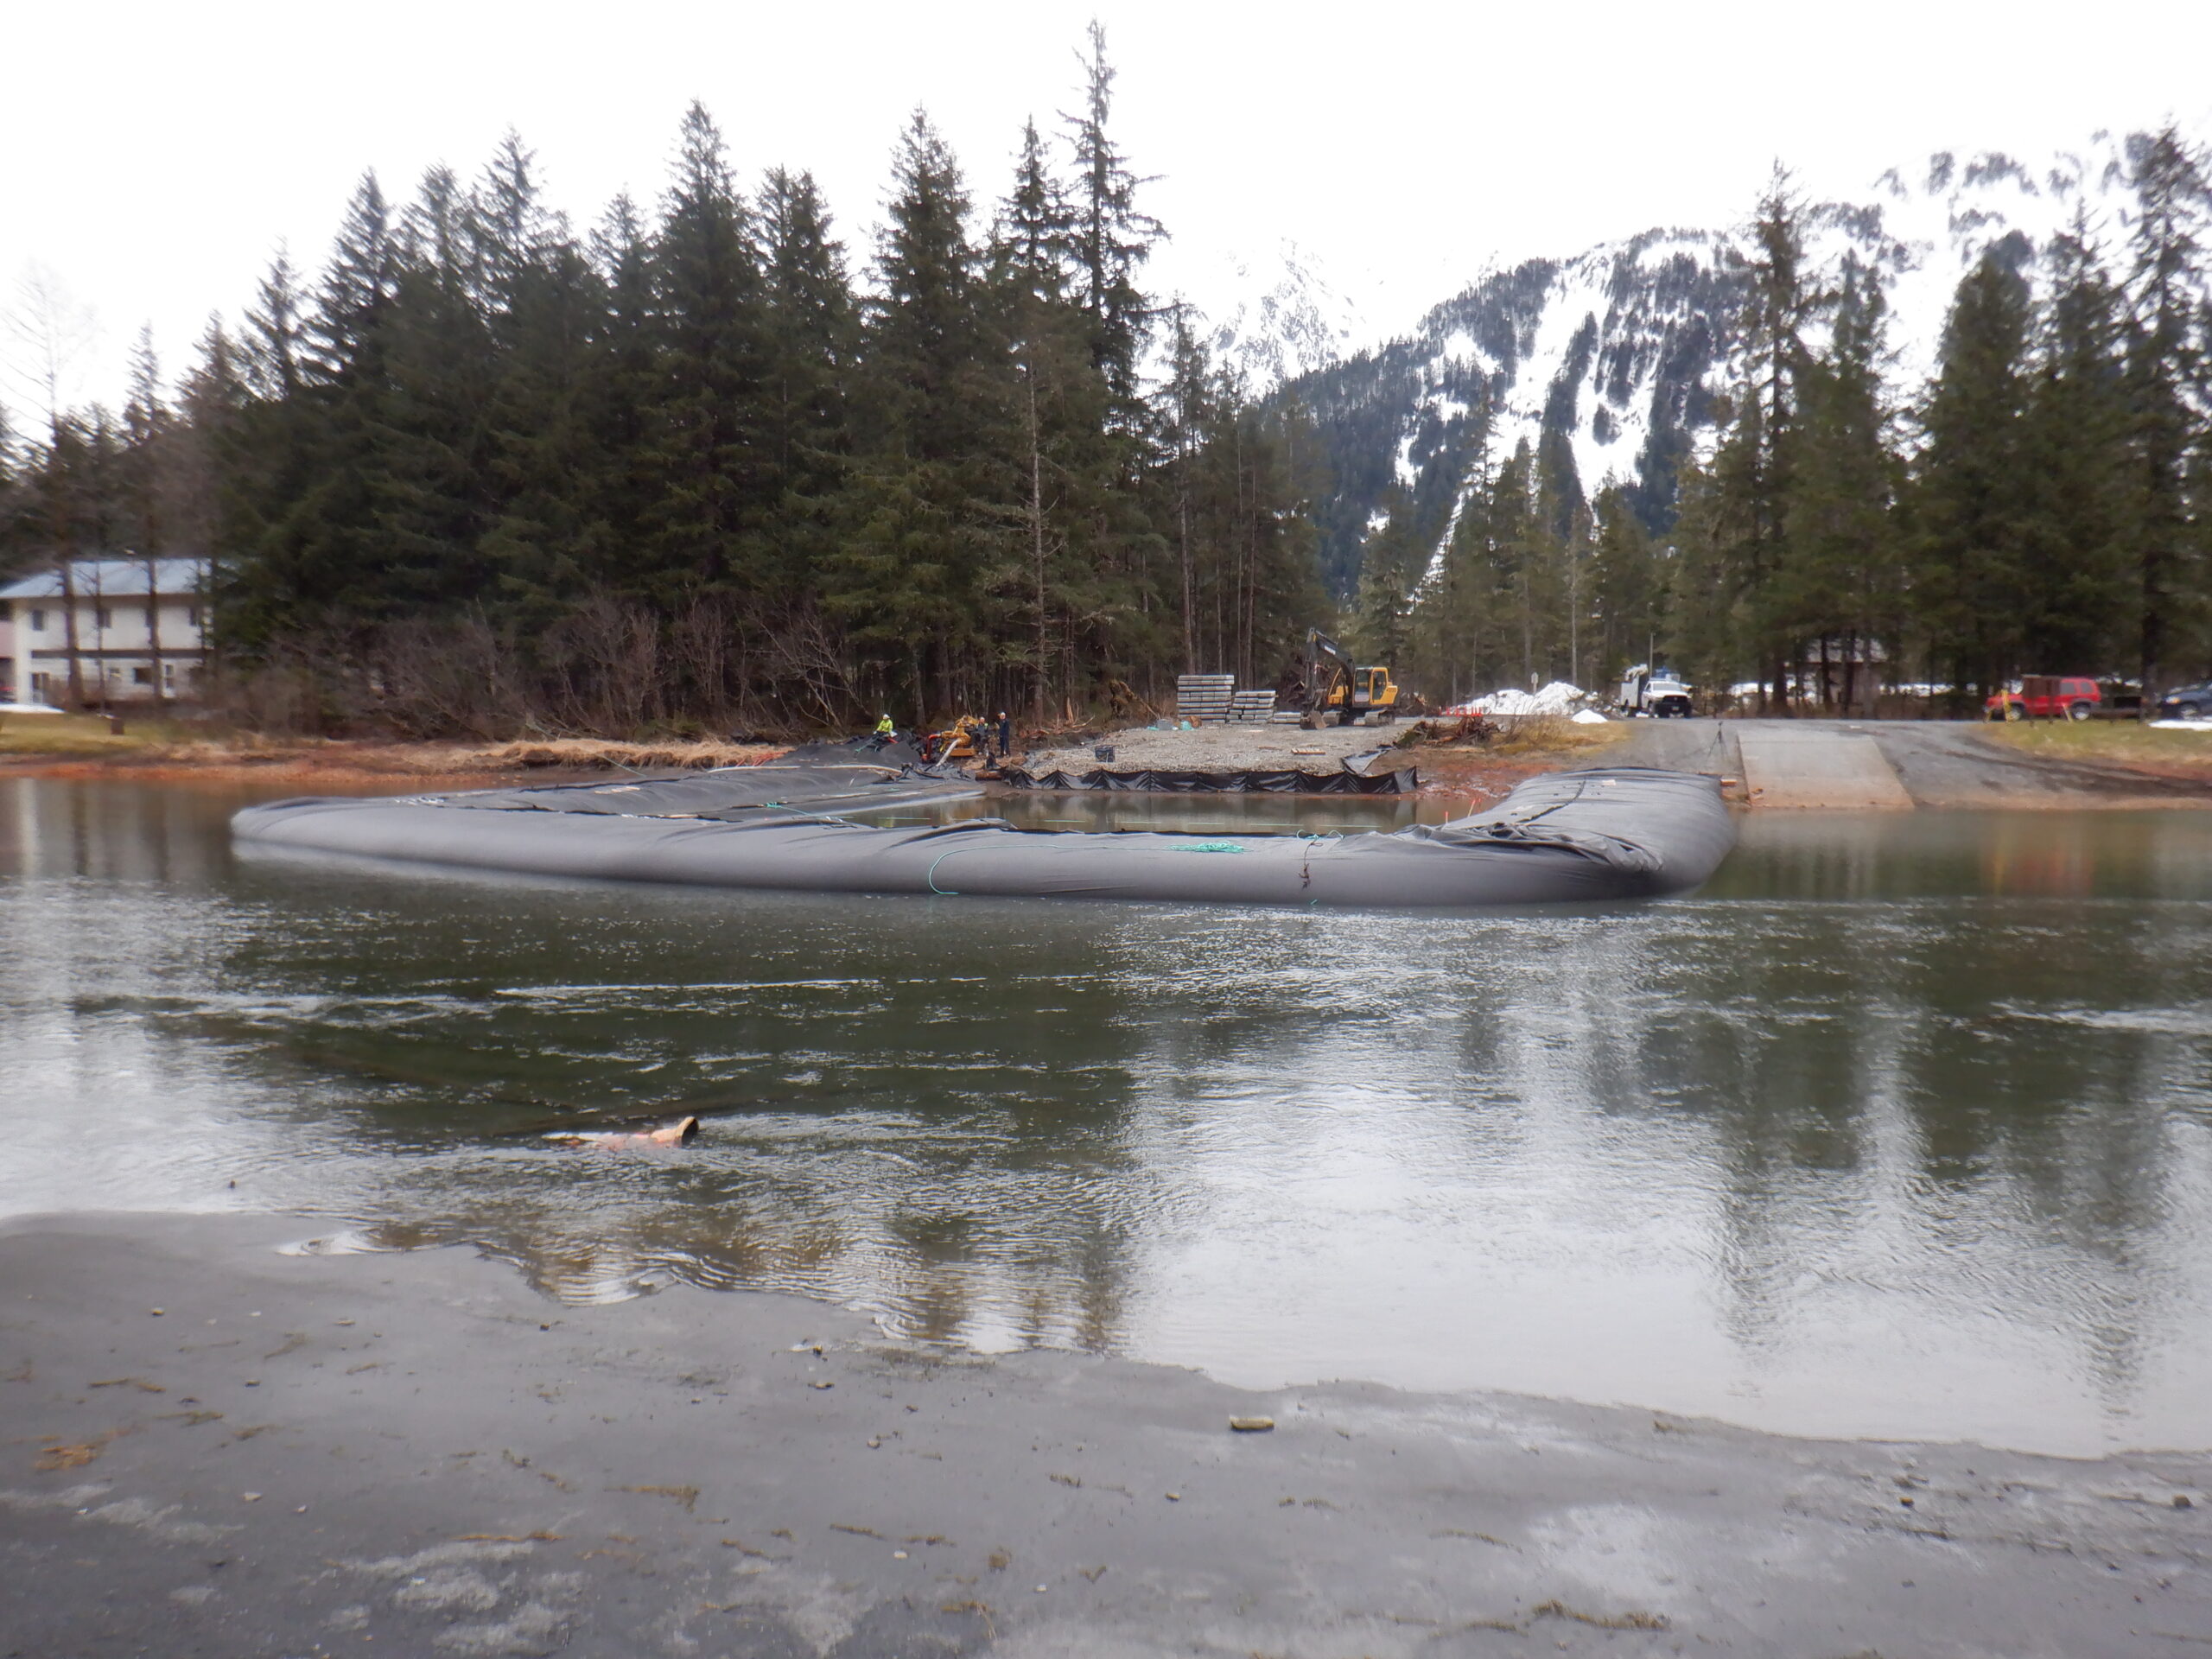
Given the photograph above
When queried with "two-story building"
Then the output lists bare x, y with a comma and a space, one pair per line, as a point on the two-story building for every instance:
141, 632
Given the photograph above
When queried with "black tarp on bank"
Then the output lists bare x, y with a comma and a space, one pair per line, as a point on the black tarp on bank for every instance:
1625, 832
838, 785
1347, 782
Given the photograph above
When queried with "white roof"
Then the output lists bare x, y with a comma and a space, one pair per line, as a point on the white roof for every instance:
113, 579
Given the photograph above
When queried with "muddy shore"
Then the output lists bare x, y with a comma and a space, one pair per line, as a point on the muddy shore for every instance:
211, 1447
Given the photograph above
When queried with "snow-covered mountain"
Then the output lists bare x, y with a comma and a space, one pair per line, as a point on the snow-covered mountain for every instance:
1285, 320
1621, 348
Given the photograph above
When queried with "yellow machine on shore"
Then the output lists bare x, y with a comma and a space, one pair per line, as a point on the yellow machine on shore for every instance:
960, 743
1342, 691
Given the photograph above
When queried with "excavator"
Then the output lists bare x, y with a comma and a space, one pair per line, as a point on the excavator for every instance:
1340, 690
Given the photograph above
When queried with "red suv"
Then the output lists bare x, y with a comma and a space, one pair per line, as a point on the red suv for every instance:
2046, 697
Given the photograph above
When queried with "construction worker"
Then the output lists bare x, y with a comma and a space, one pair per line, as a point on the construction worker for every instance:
885, 728
1006, 734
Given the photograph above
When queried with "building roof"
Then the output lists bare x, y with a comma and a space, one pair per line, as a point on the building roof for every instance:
113, 579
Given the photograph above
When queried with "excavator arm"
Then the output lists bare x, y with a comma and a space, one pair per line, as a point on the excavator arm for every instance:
1328, 665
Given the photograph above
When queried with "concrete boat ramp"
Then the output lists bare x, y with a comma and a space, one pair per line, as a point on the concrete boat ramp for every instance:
1888, 765
1819, 768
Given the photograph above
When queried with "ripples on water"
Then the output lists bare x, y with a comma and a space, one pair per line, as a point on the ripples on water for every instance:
1901, 1127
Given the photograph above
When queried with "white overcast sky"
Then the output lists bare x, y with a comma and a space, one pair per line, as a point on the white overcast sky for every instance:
155, 155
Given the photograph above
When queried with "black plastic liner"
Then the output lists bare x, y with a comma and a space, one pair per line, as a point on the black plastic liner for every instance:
838, 785
1624, 833
1403, 782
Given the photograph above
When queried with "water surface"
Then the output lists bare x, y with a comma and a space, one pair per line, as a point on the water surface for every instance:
1902, 1126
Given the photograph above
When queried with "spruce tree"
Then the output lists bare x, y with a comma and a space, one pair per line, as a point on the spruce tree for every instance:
934, 498
1630, 594
1843, 582
432, 492
2080, 602
2167, 385
813, 344
1973, 486
1755, 467
619, 401
545, 306
705, 458
1112, 239
311, 557
1060, 404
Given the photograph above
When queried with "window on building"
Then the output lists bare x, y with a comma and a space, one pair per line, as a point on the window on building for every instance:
38, 621
40, 685
141, 677
192, 616
101, 619
150, 620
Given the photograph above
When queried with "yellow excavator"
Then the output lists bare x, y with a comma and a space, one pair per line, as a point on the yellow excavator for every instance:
1342, 692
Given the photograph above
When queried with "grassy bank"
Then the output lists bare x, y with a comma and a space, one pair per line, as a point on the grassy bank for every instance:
156, 746
2109, 742
88, 736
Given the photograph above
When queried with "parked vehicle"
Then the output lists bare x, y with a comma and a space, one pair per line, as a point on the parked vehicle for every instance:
2187, 702
1656, 692
2048, 697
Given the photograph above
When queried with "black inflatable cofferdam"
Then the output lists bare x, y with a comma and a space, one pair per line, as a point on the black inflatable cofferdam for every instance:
1625, 833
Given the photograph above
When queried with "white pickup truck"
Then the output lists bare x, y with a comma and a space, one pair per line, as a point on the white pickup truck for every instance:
1655, 692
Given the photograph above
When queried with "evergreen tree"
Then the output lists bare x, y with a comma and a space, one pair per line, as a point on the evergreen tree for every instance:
705, 458
429, 484
1842, 584
1973, 487
1630, 585
2167, 388
307, 555
1060, 413
1111, 239
813, 344
619, 400
934, 496
544, 307
2079, 609
1755, 469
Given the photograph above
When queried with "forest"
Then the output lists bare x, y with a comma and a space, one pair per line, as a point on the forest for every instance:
704, 465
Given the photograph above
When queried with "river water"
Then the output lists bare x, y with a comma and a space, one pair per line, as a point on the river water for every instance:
1902, 1126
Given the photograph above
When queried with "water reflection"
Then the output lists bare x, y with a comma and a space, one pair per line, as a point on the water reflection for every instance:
1901, 1127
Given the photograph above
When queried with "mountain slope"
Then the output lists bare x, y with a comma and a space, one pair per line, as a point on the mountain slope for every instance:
1617, 354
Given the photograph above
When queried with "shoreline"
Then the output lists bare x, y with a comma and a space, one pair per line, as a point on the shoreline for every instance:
416, 1448
1923, 766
